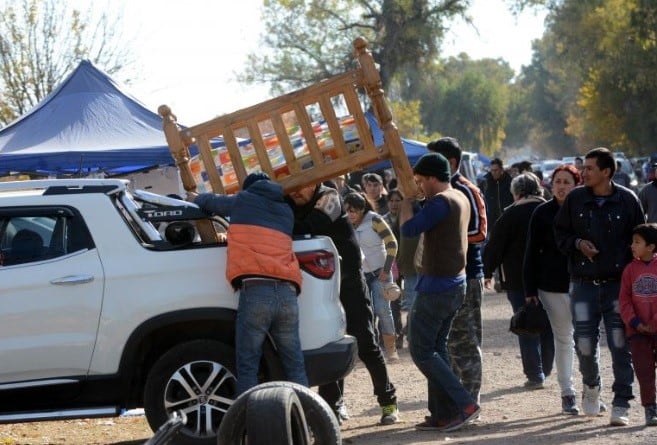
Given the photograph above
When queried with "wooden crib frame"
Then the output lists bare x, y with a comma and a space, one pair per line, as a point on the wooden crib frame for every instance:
316, 164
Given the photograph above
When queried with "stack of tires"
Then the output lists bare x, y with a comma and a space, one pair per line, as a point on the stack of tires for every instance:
281, 413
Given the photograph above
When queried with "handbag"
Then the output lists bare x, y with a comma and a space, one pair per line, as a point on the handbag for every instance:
531, 320
391, 292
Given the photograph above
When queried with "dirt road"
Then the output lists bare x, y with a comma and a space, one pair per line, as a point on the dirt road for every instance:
510, 415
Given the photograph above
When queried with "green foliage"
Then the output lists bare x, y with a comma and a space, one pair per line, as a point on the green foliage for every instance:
42, 41
408, 120
468, 100
305, 41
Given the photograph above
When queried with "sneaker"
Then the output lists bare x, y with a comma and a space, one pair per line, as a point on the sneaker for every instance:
532, 385
389, 414
569, 405
467, 415
392, 356
651, 415
591, 400
603, 406
619, 416
431, 425
341, 413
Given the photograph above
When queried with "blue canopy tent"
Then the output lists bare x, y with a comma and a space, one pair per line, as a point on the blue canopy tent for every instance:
87, 124
413, 149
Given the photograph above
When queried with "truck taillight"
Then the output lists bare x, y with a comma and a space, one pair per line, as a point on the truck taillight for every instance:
318, 263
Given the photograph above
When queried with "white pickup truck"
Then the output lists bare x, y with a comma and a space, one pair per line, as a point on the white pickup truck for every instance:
101, 313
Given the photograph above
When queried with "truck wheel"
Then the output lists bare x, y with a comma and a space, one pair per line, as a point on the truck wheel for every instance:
275, 415
197, 378
322, 423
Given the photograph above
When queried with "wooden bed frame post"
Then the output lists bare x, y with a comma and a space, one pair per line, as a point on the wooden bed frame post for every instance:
372, 82
180, 151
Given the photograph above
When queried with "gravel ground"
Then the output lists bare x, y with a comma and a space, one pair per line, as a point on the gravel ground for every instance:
510, 414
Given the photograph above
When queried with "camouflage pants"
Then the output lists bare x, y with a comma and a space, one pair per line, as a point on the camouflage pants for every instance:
464, 342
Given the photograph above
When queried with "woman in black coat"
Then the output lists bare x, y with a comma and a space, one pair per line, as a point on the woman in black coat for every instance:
546, 278
506, 249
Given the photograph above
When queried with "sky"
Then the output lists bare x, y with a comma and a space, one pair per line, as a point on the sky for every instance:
188, 52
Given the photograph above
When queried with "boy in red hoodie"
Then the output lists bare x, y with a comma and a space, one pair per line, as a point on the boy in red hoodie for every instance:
638, 308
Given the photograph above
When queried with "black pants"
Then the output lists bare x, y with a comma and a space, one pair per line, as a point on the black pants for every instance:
357, 305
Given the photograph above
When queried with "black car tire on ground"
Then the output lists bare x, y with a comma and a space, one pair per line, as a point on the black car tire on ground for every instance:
275, 415
322, 423
197, 377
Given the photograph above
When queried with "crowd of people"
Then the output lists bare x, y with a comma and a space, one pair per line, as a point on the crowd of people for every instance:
584, 253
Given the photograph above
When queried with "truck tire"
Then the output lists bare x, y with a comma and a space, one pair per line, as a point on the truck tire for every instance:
322, 423
197, 378
275, 415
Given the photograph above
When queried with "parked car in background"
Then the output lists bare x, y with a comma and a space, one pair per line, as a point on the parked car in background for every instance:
547, 167
626, 167
471, 166
569, 159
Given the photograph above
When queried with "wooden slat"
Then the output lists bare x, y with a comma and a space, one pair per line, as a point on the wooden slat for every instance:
205, 150
353, 105
235, 155
284, 141
261, 150
308, 135
334, 126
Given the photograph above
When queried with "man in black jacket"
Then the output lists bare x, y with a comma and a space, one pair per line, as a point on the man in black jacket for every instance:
496, 187
318, 211
594, 229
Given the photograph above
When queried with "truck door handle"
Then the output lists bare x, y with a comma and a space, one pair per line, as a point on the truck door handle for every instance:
70, 280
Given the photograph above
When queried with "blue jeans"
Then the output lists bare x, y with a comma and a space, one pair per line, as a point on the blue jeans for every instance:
591, 303
410, 293
268, 307
537, 353
428, 329
381, 306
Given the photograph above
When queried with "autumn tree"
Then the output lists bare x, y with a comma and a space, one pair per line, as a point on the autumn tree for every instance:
593, 75
42, 41
616, 104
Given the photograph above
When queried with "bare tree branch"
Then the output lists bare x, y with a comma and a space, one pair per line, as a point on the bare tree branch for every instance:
42, 41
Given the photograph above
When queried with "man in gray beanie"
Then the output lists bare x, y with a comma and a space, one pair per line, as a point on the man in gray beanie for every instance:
443, 221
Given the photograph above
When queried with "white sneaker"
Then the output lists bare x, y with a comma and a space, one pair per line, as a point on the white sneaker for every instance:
619, 416
591, 400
